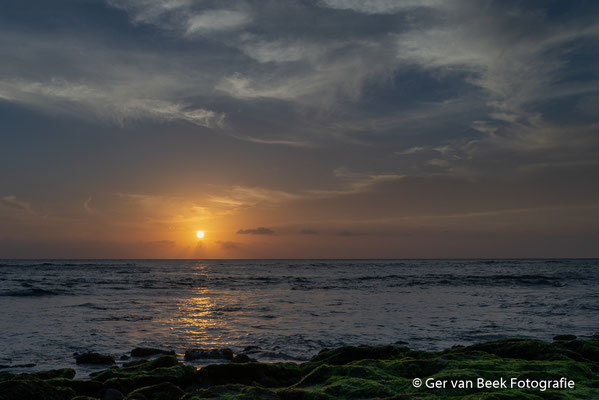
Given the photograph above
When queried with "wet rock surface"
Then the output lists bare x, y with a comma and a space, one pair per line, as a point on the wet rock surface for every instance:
148, 351
93, 358
209, 354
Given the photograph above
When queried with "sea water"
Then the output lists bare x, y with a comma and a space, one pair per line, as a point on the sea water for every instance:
289, 309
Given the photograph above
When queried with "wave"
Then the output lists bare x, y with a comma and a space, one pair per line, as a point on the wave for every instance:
31, 292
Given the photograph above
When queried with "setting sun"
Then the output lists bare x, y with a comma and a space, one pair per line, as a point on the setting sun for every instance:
200, 234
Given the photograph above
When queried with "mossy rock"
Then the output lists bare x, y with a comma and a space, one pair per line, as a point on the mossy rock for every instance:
525, 349
33, 390
347, 354
161, 391
233, 391
148, 351
80, 387
302, 394
325, 374
178, 375
165, 369
123, 385
147, 366
251, 374
505, 395
356, 388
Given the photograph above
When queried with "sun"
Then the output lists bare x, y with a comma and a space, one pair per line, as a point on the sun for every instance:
200, 234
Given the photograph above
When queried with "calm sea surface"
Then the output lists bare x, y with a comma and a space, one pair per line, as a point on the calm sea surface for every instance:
291, 309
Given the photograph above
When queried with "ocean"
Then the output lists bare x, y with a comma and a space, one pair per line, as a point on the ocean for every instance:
288, 309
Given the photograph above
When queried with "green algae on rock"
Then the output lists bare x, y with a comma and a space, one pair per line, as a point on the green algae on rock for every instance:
362, 372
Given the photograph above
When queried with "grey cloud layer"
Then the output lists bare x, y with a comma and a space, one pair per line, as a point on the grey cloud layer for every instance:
478, 79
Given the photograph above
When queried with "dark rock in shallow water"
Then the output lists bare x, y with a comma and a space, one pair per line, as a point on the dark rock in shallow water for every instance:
124, 357
161, 391
564, 337
147, 351
33, 390
211, 354
93, 358
250, 348
112, 394
66, 373
243, 358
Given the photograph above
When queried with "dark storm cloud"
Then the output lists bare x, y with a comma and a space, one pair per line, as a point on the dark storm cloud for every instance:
256, 231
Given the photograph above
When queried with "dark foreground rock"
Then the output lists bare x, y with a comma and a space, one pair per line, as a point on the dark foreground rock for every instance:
93, 358
148, 351
209, 354
375, 372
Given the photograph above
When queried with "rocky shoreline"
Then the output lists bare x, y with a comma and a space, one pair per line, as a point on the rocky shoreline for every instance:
563, 369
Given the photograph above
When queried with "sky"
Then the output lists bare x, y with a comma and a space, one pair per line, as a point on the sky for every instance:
299, 129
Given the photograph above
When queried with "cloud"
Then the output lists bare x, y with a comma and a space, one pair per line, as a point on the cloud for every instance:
348, 233
228, 245
161, 243
185, 16
256, 231
12, 202
379, 6
216, 20
103, 101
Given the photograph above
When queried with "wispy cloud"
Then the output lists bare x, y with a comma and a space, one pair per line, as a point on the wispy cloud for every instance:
105, 102
256, 231
11, 201
185, 16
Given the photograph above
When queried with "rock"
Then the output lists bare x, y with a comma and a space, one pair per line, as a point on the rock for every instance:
81, 387
164, 390
33, 390
212, 354
147, 351
243, 358
67, 373
93, 358
263, 374
96, 373
346, 354
124, 357
112, 394
250, 348
159, 370
564, 337
134, 363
